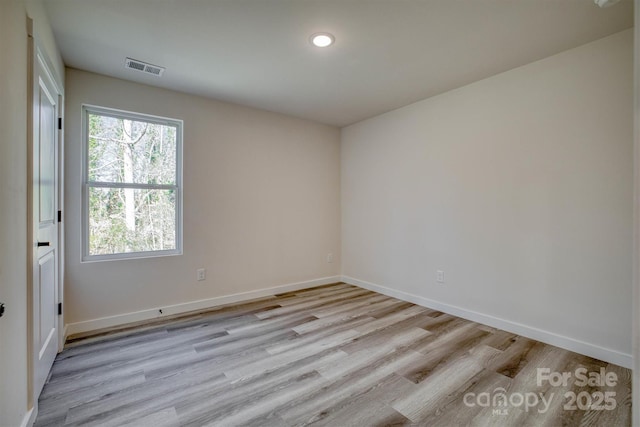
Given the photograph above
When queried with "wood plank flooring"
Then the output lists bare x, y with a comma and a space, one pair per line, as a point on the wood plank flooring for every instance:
336, 355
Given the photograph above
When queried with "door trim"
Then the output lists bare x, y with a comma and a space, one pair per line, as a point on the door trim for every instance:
34, 51
635, 379
61, 224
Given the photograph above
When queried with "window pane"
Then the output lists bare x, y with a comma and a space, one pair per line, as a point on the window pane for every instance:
131, 151
131, 220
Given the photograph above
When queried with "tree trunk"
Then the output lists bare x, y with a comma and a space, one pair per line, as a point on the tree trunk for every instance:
129, 193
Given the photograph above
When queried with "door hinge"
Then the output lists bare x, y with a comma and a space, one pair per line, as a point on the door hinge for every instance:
59, 123
59, 216
59, 309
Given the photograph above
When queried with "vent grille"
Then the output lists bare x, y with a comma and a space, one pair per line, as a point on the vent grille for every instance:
143, 67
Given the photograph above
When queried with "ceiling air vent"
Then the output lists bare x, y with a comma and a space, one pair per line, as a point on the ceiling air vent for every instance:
134, 64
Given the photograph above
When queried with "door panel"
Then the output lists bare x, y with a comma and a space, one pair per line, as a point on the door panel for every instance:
44, 208
47, 334
47, 155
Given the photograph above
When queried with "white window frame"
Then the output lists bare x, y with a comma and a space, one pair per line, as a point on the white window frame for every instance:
86, 185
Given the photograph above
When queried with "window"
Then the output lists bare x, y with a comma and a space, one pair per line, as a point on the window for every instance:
132, 195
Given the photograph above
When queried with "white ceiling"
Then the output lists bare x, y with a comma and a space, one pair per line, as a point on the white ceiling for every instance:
388, 53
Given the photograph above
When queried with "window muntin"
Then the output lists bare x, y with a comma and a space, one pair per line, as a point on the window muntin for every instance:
132, 185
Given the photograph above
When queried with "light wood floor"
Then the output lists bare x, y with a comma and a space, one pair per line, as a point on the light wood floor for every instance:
335, 355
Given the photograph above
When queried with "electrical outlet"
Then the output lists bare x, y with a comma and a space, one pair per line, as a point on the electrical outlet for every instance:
201, 274
440, 276
329, 257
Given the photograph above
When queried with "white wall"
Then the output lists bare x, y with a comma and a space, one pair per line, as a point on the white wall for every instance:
14, 388
261, 203
519, 187
13, 211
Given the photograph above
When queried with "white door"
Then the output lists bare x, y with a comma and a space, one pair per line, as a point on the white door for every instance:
45, 222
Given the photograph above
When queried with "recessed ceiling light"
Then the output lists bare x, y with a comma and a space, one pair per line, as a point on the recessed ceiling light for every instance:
605, 3
322, 39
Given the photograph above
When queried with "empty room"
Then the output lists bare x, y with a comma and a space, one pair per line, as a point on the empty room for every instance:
319, 212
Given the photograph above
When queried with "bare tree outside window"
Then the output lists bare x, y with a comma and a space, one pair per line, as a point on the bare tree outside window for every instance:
132, 191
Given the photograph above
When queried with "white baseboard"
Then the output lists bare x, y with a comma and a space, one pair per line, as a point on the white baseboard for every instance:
65, 335
591, 350
152, 313
29, 418
608, 355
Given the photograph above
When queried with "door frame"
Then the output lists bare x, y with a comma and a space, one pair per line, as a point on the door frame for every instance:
635, 378
34, 54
